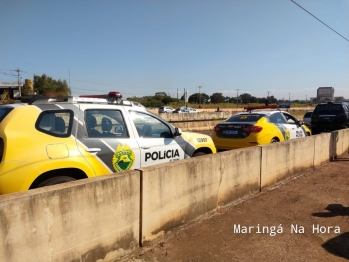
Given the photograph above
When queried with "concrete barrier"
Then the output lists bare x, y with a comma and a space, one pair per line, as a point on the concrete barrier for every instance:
286, 159
197, 116
104, 218
197, 125
177, 193
88, 220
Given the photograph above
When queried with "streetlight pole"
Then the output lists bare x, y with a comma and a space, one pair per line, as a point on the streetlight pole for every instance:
199, 97
237, 99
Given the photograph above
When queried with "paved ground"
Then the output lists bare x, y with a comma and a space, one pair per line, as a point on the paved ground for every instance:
303, 219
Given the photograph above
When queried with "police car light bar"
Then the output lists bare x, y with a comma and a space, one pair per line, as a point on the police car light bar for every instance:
111, 97
261, 107
115, 95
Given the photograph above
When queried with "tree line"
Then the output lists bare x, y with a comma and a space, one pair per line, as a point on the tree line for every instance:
47, 86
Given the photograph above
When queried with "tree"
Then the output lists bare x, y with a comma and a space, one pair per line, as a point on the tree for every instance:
245, 98
197, 98
217, 98
47, 86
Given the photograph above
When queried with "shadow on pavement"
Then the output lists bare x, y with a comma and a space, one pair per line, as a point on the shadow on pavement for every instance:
334, 210
338, 246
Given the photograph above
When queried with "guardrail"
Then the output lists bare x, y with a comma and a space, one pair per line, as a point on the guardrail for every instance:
107, 217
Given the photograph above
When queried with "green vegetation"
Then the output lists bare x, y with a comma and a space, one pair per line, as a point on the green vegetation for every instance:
46, 86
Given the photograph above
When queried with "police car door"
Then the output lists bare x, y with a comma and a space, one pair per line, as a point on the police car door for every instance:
156, 141
292, 124
109, 140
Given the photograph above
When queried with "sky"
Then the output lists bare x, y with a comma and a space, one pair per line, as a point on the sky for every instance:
140, 47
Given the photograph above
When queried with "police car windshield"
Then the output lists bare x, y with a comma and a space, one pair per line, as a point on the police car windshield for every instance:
4, 111
245, 117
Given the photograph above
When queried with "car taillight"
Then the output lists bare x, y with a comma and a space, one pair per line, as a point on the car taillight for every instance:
251, 129
1, 148
216, 129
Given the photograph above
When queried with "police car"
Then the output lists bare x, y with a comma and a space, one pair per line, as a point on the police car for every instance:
48, 141
259, 125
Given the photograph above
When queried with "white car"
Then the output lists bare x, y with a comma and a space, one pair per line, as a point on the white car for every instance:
165, 109
185, 109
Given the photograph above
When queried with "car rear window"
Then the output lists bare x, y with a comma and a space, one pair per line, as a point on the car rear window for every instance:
245, 118
4, 111
329, 108
308, 114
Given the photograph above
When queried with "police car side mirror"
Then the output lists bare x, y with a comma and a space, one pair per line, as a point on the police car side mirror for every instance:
177, 132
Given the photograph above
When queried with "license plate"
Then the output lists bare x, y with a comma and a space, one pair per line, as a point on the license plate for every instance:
230, 132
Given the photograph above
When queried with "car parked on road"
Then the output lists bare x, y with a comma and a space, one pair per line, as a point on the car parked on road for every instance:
46, 141
307, 118
253, 128
165, 109
185, 109
329, 117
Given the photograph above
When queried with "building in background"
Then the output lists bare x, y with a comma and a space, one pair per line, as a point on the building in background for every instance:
9, 90
325, 94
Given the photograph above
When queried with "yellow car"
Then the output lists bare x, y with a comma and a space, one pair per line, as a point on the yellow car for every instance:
253, 128
49, 141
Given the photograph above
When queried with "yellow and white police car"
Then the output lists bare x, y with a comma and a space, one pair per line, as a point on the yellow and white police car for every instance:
258, 126
48, 141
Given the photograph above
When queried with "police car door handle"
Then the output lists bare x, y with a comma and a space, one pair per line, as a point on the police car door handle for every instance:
93, 150
145, 147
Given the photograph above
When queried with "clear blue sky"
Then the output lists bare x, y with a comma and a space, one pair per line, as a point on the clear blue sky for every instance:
143, 47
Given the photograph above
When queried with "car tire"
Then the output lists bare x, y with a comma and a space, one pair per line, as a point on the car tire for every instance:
274, 140
56, 180
199, 154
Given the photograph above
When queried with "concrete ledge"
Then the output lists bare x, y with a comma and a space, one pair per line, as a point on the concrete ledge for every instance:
197, 125
86, 220
177, 193
286, 159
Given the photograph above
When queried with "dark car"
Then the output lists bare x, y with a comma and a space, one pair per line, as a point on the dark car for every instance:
307, 118
329, 117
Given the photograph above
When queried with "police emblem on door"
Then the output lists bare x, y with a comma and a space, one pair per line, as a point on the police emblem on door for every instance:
123, 158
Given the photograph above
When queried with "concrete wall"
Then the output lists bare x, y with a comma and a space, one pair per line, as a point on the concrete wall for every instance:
177, 193
87, 220
104, 218
196, 116
282, 160
197, 125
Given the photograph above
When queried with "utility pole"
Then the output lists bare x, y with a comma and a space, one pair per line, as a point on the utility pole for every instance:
19, 82
237, 99
177, 96
199, 97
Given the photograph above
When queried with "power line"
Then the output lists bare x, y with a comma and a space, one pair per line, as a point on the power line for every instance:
319, 20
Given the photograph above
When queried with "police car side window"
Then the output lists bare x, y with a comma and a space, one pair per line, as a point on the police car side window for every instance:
277, 118
55, 123
290, 119
150, 127
105, 123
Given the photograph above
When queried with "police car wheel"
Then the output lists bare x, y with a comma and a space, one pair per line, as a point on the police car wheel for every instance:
274, 140
199, 154
56, 180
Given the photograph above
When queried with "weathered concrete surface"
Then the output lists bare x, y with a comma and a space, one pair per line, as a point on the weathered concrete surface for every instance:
177, 193
197, 125
197, 116
286, 159
88, 220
